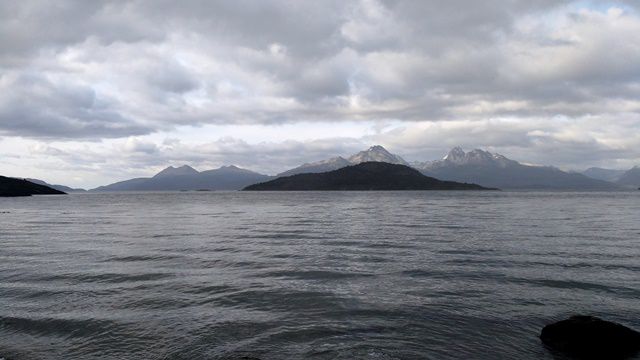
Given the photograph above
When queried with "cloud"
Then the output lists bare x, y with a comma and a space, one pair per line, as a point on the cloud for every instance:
33, 105
276, 61
571, 143
497, 74
133, 145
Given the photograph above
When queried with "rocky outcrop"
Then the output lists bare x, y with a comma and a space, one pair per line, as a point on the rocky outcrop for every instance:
588, 337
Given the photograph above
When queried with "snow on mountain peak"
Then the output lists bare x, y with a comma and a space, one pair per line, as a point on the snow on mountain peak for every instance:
376, 153
458, 156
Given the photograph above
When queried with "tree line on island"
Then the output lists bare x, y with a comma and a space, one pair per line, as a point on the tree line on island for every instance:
477, 167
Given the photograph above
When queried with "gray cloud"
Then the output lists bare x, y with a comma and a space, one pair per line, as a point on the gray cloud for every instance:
87, 71
167, 64
33, 105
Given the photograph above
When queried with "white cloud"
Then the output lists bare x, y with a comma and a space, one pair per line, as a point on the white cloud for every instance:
527, 78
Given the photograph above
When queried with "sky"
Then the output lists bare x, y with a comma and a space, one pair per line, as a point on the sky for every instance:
93, 92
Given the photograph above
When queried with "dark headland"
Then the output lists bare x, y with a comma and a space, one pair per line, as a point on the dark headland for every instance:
10, 187
364, 176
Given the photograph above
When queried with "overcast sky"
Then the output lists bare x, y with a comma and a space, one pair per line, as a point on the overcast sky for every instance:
93, 92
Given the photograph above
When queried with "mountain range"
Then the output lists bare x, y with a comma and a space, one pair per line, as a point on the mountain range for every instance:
367, 175
188, 178
475, 166
629, 179
495, 170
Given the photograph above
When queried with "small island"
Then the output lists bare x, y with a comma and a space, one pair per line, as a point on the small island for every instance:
364, 176
11, 187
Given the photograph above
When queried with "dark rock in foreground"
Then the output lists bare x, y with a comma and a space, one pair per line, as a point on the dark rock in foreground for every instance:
19, 187
364, 176
587, 337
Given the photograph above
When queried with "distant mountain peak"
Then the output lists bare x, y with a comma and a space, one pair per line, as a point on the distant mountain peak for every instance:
455, 153
175, 171
495, 170
458, 156
376, 153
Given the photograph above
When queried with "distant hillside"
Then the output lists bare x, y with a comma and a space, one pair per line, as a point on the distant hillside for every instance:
630, 178
62, 188
125, 185
187, 178
494, 170
20, 187
364, 176
604, 174
374, 153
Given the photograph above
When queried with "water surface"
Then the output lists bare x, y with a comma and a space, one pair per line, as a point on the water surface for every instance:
311, 275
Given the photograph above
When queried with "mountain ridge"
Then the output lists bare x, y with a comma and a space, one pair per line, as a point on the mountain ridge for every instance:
476, 166
373, 153
186, 178
495, 170
176, 171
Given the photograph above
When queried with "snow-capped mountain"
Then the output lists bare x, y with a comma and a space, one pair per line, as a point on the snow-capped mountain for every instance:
374, 153
458, 157
495, 170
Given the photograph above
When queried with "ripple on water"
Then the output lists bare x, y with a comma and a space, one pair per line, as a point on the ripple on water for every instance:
310, 275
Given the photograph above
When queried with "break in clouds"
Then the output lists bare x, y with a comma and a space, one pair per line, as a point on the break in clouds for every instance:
127, 87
